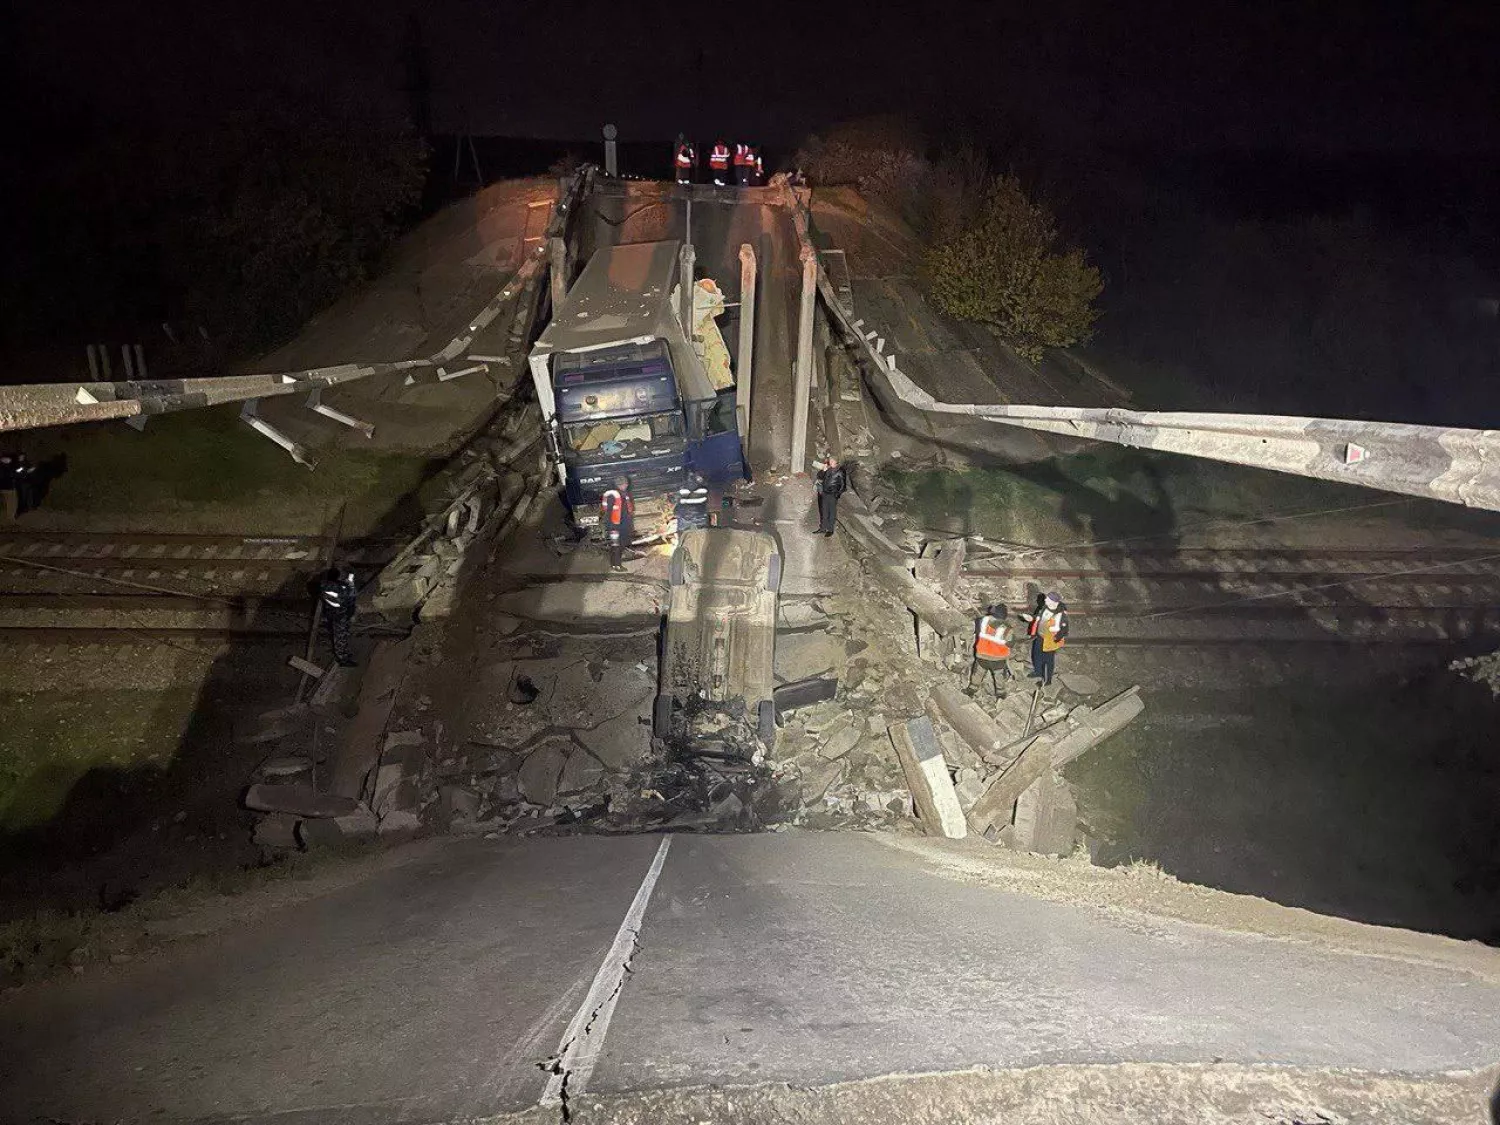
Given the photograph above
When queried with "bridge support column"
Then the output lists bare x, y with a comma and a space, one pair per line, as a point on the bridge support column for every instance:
557, 251
745, 366
802, 388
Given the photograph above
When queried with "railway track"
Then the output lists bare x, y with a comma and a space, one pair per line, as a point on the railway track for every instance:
122, 588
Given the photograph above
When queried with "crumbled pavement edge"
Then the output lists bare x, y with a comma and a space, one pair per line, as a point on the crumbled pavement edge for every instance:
1143, 889
1200, 1094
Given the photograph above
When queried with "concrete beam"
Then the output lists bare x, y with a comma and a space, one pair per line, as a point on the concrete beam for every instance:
802, 390
744, 375
1052, 749
973, 724
932, 791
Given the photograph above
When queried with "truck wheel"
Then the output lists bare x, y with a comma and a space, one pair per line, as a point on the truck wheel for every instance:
675, 569
773, 575
661, 716
765, 722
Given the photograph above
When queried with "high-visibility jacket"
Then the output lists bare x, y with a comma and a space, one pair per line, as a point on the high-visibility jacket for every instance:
691, 508
993, 639
760, 166
741, 155
617, 508
338, 594
1052, 626
685, 156
718, 158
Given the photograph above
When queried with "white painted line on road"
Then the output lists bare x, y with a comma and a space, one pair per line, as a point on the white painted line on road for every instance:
584, 1039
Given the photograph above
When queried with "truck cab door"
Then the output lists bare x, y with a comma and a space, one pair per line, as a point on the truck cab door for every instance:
714, 449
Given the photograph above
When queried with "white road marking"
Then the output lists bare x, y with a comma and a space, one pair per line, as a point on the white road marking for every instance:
584, 1039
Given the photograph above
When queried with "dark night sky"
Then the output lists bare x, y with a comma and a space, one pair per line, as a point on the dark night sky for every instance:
1323, 77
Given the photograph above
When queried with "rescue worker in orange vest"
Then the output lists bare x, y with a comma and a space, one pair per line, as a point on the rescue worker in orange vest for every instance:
1048, 630
684, 160
718, 162
744, 164
617, 512
991, 649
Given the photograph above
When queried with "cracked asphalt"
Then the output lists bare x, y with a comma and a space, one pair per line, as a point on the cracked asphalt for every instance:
439, 989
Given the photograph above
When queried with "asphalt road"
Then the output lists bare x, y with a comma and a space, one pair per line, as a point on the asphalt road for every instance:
435, 990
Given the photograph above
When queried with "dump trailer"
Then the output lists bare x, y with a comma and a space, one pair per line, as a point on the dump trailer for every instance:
624, 391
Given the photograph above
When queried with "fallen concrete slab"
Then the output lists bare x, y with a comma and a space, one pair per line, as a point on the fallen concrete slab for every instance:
921, 757
987, 738
1052, 749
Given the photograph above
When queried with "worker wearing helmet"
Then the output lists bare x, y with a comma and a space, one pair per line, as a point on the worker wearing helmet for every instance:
991, 649
1048, 629
718, 162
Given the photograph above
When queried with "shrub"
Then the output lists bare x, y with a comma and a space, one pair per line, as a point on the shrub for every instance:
1004, 268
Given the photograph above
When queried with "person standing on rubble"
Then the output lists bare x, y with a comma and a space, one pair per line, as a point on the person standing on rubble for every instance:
832, 480
617, 511
992, 634
339, 597
1048, 629
691, 506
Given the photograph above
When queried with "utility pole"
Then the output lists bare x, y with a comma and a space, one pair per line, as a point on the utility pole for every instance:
611, 152
802, 389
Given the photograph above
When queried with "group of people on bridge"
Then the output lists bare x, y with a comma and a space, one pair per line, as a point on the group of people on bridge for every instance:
745, 159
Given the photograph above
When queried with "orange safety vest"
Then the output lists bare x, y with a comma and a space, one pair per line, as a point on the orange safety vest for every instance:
617, 505
684, 157
993, 641
741, 154
1051, 642
719, 157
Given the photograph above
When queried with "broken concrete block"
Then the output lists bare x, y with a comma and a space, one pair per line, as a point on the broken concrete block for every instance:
927, 777
817, 776
801, 615
286, 770
984, 735
541, 772
276, 832
297, 800
801, 656
1046, 819
360, 824
399, 738
969, 786
336, 691
459, 802
1052, 749
388, 779
842, 740
307, 667
399, 822
804, 693
619, 743
1078, 683
581, 773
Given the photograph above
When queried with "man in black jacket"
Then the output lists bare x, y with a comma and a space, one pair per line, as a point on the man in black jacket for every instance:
832, 480
339, 595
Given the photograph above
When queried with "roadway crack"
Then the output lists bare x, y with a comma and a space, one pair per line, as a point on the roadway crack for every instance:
561, 1063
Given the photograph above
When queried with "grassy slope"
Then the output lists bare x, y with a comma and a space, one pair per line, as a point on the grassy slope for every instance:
206, 471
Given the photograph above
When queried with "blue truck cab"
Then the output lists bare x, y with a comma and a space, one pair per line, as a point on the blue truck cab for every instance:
624, 392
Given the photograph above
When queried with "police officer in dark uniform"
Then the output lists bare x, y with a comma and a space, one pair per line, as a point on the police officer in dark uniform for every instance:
338, 595
691, 506
832, 480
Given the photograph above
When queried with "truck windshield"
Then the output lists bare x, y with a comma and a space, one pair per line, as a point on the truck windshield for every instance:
624, 435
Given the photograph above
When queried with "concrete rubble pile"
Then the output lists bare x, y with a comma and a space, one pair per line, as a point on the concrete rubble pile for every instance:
492, 490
